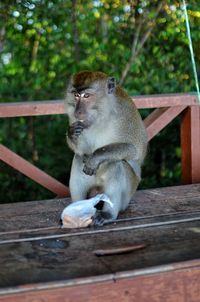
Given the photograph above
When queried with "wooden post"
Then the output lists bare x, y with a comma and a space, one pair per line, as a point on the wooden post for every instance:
190, 145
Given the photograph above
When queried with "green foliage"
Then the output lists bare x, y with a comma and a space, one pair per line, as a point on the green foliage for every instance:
43, 42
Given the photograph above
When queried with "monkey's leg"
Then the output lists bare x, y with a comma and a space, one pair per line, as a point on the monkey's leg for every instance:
79, 183
120, 183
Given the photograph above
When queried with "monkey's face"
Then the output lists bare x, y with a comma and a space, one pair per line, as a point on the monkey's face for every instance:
84, 107
85, 103
87, 95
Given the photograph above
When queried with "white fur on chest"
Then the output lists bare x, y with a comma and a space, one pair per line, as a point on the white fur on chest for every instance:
90, 140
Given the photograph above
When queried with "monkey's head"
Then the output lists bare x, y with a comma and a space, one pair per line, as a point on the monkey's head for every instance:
86, 95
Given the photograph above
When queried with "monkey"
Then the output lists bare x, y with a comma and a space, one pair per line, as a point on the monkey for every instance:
109, 140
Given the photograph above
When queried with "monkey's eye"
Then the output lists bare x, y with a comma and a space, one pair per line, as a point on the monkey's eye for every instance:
86, 95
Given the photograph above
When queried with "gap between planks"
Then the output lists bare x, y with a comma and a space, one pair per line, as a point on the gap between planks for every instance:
119, 220
93, 232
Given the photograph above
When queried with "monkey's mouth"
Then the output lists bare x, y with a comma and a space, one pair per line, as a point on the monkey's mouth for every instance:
85, 122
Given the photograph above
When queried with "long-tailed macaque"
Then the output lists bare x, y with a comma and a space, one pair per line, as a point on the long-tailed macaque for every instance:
109, 140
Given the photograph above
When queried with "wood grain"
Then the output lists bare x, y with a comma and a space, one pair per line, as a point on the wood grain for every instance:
190, 145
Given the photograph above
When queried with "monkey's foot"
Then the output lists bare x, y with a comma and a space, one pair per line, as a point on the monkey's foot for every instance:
100, 218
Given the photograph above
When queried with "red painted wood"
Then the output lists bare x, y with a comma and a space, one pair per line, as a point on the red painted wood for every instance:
31, 108
33, 172
57, 107
165, 100
178, 285
190, 145
159, 118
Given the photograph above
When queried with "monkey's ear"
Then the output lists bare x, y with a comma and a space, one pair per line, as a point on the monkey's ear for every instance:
111, 84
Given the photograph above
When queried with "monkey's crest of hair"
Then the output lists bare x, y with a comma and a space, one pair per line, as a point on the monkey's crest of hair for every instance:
84, 78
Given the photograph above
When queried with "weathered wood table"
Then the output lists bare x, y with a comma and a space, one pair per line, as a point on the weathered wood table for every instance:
39, 261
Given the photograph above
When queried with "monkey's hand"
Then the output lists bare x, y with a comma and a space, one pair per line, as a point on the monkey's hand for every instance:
108, 153
75, 130
91, 164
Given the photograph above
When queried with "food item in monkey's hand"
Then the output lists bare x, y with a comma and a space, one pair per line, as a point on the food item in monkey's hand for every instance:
79, 214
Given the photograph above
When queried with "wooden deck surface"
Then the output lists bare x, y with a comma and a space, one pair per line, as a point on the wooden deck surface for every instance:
39, 261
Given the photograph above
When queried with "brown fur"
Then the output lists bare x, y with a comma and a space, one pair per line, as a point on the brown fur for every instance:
121, 93
85, 78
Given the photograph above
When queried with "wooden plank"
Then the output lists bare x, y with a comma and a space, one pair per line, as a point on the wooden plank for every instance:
171, 285
23, 166
57, 107
190, 145
31, 108
56, 259
165, 220
30, 220
159, 118
165, 100
181, 285
151, 203
57, 233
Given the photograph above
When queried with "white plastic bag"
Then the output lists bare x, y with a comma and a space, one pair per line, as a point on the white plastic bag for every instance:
79, 213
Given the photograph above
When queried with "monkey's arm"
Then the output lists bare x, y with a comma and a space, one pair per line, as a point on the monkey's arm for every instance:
112, 152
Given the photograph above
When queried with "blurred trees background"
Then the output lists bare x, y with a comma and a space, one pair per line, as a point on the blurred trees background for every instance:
142, 43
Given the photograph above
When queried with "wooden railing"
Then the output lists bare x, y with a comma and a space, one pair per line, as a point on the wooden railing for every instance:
168, 107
